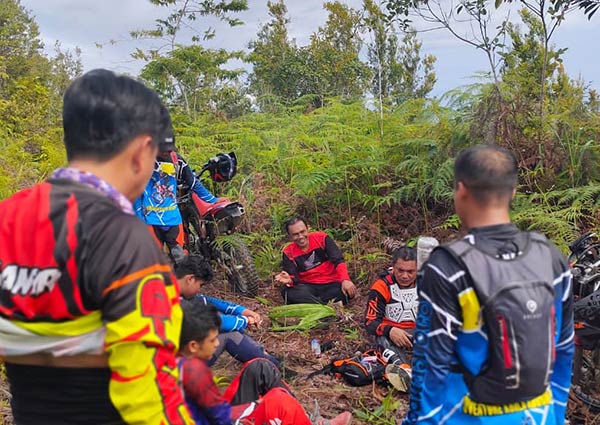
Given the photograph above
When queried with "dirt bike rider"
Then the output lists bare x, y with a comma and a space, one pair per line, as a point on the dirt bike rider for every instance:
192, 273
257, 395
314, 270
157, 206
391, 313
89, 314
494, 331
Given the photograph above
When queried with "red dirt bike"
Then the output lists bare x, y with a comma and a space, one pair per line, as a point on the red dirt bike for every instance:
209, 229
585, 265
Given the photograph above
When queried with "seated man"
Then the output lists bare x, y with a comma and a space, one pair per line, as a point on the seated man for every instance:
258, 393
314, 270
392, 310
157, 206
193, 272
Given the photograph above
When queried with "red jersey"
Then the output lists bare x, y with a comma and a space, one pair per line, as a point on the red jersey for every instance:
323, 261
78, 275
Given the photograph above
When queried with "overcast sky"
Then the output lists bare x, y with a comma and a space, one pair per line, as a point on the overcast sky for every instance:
84, 23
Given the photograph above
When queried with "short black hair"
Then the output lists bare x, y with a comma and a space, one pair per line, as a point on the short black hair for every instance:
198, 320
487, 171
404, 253
103, 112
195, 265
291, 221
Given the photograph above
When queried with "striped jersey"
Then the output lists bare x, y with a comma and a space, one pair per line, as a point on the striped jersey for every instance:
81, 276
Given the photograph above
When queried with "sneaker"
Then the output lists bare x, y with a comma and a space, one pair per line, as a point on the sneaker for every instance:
344, 418
399, 375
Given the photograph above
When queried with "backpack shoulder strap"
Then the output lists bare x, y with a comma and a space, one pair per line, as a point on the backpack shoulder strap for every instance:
175, 160
538, 237
459, 247
457, 250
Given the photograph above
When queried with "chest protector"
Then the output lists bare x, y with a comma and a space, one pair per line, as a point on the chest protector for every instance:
403, 304
517, 308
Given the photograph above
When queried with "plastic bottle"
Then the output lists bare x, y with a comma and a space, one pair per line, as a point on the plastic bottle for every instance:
425, 245
368, 359
315, 346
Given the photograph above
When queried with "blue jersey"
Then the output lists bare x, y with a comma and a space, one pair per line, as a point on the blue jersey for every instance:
449, 339
231, 314
158, 203
157, 206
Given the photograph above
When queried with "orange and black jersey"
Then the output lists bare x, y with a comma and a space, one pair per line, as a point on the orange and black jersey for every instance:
390, 306
81, 276
322, 262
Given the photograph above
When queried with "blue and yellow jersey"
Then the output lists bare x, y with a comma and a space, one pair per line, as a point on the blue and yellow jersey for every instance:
231, 313
157, 206
450, 340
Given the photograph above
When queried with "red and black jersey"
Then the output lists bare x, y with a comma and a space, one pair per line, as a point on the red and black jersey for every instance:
390, 306
322, 262
78, 275
60, 243
258, 395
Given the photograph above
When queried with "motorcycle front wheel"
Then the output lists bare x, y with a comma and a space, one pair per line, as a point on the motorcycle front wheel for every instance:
239, 267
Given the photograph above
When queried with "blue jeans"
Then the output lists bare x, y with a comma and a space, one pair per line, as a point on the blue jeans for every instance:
241, 347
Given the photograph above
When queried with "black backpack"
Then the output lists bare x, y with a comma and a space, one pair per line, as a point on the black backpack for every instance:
358, 370
516, 295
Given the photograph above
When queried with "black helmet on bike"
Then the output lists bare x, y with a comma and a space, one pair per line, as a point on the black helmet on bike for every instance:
222, 167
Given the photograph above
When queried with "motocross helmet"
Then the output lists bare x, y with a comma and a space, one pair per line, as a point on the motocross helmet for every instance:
223, 167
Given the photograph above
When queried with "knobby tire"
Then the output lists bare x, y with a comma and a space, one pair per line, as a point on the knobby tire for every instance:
241, 271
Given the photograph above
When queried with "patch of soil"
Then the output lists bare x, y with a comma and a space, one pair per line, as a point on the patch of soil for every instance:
579, 413
5, 412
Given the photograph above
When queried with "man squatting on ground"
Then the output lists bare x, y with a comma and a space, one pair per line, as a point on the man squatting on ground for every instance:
314, 270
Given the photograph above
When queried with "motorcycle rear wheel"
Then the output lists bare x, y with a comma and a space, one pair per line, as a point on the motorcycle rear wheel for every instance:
584, 391
240, 269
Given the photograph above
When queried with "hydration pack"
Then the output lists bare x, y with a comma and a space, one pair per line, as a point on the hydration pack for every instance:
516, 296
358, 370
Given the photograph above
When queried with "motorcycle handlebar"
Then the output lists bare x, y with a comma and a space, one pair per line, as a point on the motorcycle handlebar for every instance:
579, 254
212, 162
575, 246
